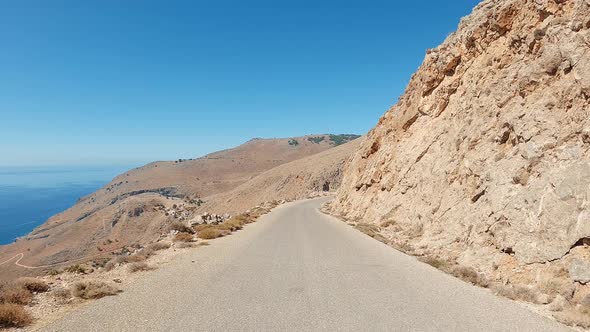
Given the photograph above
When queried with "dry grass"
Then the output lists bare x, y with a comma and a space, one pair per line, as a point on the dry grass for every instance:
199, 228
369, 229
180, 227
62, 294
110, 265
469, 274
13, 293
209, 233
436, 262
574, 317
33, 285
158, 246
183, 245
93, 290
183, 237
14, 315
75, 269
516, 292
387, 223
557, 286
139, 267
403, 247
464, 273
230, 226
138, 257
135, 258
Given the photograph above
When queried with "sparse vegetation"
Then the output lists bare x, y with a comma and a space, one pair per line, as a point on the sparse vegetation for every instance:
110, 265
435, 262
53, 272
135, 258
577, 317
469, 274
516, 292
14, 315
183, 237
180, 227
369, 229
11, 292
62, 294
209, 233
137, 267
387, 223
158, 246
76, 268
93, 290
33, 285
344, 138
316, 139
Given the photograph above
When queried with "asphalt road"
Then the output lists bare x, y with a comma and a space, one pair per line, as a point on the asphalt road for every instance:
299, 270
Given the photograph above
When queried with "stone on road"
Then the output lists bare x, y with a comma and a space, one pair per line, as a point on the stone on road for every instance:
300, 270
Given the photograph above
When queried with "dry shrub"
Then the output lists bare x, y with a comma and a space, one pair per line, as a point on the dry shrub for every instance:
436, 262
93, 290
33, 285
76, 268
557, 286
415, 231
574, 317
183, 237
516, 292
180, 227
469, 274
139, 267
209, 233
403, 247
61, 294
109, 266
199, 228
136, 258
229, 226
387, 223
369, 229
158, 246
14, 315
244, 219
13, 293
183, 245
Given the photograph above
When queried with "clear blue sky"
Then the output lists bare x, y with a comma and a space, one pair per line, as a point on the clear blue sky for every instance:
127, 82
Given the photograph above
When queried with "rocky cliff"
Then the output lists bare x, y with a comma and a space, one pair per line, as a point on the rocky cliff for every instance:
485, 158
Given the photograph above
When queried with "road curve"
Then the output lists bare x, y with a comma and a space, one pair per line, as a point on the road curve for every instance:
299, 270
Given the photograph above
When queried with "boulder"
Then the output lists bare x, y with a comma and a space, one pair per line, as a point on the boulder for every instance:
580, 271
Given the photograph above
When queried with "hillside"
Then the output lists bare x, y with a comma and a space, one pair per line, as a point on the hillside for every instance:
298, 179
139, 205
484, 161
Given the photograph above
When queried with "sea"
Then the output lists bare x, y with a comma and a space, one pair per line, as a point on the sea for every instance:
30, 195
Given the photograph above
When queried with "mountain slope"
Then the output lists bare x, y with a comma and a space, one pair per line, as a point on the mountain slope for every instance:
485, 159
136, 207
295, 180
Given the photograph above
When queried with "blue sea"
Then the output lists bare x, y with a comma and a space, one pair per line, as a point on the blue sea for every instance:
30, 195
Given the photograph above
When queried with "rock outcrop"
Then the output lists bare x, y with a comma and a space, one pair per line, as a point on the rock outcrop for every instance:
485, 158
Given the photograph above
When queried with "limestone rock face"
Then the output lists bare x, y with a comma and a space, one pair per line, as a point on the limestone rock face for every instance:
486, 153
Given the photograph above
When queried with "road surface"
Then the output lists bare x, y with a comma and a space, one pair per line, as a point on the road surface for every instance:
299, 270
